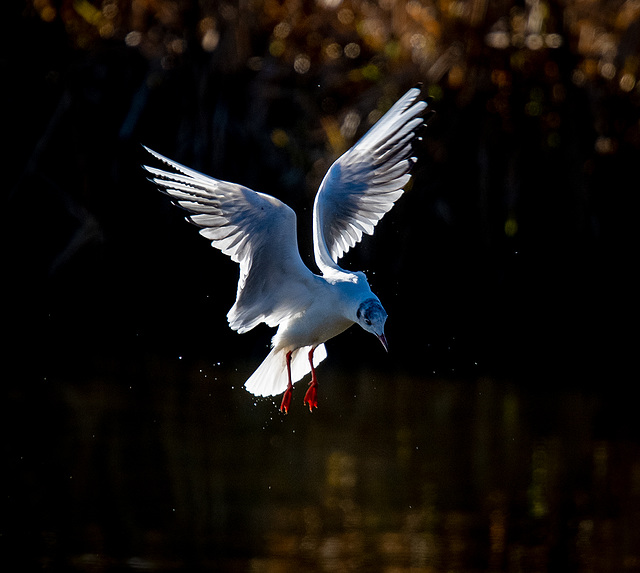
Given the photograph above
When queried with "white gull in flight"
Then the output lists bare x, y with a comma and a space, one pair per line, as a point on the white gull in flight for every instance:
259, 232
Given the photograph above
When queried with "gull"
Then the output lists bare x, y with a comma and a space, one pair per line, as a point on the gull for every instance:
258, 231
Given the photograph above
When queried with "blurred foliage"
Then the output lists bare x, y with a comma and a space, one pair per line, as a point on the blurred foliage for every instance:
518, 59
452, 44
563, 73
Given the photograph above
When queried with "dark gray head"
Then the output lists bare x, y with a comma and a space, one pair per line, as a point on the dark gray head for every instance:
371, 316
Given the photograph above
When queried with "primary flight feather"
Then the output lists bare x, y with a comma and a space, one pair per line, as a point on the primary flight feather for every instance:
259, 232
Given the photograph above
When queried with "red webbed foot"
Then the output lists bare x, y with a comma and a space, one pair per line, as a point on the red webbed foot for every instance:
286, 400
311, 397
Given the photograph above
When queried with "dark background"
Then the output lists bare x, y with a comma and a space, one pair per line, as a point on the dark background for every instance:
510, 258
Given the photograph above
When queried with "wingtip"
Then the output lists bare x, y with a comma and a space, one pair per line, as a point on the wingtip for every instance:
416, 97
154, 153
149, 150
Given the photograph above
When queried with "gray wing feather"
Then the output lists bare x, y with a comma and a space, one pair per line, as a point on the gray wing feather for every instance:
365, 182
256, 230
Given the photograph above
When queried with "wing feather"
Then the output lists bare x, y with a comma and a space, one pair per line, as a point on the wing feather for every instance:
256, 230
364, 183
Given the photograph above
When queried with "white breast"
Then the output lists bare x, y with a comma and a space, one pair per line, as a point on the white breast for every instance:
327, 317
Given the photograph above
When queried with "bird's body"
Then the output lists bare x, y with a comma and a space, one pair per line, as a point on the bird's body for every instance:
331, 312
323, 320
259, 232
327, 316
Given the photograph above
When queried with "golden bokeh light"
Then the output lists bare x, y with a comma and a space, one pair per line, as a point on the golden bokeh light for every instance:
423, 35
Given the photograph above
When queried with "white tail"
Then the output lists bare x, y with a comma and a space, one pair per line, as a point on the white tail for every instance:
270, 379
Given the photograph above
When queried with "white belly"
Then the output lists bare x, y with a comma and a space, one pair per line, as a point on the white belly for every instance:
315, 326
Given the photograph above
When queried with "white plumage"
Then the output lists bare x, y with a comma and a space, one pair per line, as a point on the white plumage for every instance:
259, 232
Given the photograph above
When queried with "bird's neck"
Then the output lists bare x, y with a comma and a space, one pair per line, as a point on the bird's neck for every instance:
351, 288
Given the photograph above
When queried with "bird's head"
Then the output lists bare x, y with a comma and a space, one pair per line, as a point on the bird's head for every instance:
371, 316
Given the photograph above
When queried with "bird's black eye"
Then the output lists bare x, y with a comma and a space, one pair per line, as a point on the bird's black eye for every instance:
367, 322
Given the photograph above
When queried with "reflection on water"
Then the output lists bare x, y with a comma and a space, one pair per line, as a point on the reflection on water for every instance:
186, 471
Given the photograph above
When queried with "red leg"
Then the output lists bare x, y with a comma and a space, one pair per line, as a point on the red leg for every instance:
311, 397
286, 399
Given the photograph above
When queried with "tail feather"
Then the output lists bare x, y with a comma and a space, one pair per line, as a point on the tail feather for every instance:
270, 379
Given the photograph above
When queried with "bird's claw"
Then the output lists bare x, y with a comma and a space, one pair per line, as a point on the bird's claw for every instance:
311, 397
286, 400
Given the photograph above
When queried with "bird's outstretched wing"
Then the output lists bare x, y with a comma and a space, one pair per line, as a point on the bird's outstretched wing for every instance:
364, 183
256, 230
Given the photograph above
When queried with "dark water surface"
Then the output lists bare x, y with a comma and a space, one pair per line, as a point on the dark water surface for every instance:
183, 470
